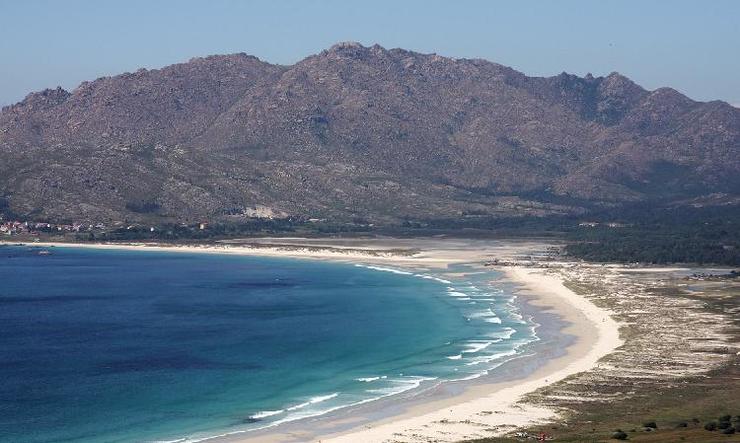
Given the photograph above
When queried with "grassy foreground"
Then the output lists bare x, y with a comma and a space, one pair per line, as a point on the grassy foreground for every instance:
679, 413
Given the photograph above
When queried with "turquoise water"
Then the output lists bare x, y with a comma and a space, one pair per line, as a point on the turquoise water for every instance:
129, 346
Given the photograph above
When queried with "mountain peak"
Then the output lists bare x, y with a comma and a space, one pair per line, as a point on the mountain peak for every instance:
615, 80
348, 49
354, 50
359, 130
346, 45
224, 58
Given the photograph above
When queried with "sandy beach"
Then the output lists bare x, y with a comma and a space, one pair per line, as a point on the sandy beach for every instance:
491, 409
479, 410
430, 253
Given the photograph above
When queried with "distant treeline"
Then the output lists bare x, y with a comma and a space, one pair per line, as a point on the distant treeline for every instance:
661, 235
639, 233
175, 232
644, 233
222, 230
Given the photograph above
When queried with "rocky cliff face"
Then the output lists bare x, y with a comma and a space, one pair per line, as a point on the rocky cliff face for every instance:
358, 131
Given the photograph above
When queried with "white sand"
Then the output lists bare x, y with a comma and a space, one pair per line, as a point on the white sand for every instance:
368, 254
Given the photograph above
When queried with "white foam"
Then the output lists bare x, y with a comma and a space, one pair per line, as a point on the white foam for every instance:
401, 272
431, 277
483, 372
370, 379
455, 357
382, 391
413, 380
504, 334
515, 315
265, 414
401, 385
380, 268
476, 346
406, 384
489, 358
488, 316
312, 401
472, 376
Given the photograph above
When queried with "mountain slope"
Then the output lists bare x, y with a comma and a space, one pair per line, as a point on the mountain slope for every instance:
357, 132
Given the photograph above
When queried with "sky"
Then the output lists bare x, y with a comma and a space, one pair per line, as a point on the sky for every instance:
692, 46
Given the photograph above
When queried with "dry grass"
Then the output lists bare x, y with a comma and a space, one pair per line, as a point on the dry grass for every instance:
680, 363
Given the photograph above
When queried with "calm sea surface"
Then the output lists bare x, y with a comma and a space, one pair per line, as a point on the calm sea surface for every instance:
129, 346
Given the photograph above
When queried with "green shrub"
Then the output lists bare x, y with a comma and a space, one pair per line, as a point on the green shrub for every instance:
619, 435
650, 424
711, 426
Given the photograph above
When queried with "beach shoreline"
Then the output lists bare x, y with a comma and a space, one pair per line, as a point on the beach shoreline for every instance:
492, 409
478, 409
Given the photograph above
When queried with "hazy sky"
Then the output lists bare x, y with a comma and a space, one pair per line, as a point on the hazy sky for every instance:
693, 46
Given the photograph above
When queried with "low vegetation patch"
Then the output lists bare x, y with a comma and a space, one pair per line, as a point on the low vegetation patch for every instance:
701, 410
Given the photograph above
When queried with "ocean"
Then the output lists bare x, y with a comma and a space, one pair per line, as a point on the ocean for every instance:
130, 346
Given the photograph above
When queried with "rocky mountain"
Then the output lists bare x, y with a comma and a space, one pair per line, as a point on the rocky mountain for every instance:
354, 132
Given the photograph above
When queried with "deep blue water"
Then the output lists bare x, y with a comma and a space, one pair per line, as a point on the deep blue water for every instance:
128, 346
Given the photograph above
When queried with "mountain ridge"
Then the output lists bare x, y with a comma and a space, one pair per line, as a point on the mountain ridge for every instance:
357, 131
